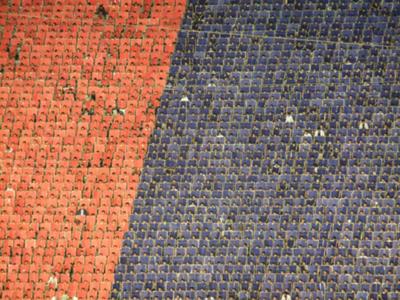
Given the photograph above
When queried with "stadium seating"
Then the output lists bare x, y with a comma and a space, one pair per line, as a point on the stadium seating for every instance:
78, 93
274, 164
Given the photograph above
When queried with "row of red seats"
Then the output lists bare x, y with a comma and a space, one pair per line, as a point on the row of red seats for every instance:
84, 290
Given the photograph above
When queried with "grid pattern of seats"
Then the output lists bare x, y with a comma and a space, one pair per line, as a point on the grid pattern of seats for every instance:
273, 169
79, 85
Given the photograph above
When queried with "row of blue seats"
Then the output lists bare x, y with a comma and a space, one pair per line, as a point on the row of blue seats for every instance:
305, 96
241, 286
330, 206
206, 215
297, 8
245, 295
269, 106
270, 45
224, 59
383, 250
